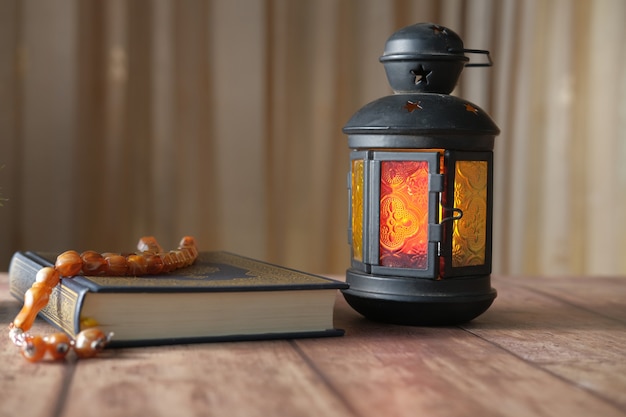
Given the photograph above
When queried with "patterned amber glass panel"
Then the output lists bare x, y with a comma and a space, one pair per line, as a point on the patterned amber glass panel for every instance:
357, 209
404, 214
470, 195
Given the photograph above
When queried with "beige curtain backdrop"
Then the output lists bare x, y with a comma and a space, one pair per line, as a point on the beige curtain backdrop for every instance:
223, 118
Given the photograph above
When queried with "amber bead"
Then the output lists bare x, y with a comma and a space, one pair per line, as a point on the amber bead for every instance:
155, 264
35, 298
34, 348
137, 264
179, 258
93, 263
169, 262
48, 276
68, 263
116, 264
192, 251
187, 242
58, 345
89, 342
186, 256
149, 244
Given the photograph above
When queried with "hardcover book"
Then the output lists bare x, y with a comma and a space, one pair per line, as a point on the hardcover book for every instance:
221, 297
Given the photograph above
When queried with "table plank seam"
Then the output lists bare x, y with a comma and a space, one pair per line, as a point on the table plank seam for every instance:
567, 302
596, 394
335, 391
66, 382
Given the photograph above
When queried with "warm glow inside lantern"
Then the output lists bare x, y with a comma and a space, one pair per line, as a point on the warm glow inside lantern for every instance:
420, 189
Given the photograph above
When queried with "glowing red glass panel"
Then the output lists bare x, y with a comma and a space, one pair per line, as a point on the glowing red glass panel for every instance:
404, 214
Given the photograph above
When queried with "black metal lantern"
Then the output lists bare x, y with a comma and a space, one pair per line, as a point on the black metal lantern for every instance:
420, 189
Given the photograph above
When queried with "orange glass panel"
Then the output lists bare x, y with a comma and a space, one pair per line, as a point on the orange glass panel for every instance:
404, 214
357, 209
470, 195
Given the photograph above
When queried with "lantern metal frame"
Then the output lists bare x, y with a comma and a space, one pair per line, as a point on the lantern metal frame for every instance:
420, 122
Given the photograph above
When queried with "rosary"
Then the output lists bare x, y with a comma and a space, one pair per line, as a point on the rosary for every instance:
149, 260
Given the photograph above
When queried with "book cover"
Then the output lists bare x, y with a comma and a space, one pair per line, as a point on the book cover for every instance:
222, 296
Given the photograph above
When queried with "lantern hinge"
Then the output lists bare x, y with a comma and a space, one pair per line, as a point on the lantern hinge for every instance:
435, 183
435, 232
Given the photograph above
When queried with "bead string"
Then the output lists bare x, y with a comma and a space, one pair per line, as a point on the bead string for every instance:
150, 260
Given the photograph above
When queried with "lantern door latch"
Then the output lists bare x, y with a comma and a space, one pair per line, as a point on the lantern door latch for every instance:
435, 186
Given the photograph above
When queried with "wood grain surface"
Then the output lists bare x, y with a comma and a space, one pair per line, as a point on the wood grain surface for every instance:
547, 347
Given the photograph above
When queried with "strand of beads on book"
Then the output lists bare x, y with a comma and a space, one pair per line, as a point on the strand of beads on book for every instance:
149, 260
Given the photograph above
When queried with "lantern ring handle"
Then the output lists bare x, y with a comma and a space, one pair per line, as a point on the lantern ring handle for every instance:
489, 62
457, 211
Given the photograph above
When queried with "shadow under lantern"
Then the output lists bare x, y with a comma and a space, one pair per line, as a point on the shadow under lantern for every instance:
420, 189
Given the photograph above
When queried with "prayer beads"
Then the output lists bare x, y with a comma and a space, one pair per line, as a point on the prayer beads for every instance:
150, 260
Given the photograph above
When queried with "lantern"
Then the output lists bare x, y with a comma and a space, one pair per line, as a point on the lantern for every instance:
420, 189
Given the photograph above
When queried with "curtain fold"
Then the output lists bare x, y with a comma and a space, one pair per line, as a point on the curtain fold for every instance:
222, 119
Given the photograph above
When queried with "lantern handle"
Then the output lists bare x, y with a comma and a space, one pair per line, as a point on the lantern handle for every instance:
458, 216
489, 62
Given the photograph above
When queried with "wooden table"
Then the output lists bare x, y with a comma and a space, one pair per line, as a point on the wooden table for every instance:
547, 347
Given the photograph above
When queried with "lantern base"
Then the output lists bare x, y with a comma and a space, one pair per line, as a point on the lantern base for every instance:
419, 301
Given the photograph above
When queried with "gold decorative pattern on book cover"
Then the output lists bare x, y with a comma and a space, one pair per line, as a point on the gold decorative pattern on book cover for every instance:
62, 307
217, 269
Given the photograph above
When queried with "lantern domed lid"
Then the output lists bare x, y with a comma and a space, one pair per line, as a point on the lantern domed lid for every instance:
421, 121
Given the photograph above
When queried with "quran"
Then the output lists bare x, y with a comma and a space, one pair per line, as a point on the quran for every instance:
221, 297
